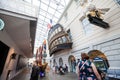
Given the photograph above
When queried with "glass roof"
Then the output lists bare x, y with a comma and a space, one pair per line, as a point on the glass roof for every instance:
49, 13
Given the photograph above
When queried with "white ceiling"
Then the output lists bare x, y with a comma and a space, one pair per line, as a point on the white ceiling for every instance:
48, 10
19, 31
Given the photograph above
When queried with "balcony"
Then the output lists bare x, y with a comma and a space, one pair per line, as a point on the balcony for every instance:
60, 47
58, 39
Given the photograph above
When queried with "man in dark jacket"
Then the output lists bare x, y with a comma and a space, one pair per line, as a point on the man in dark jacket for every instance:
35, 71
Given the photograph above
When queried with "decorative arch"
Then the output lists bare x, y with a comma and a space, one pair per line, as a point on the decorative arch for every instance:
72, 63
96, 54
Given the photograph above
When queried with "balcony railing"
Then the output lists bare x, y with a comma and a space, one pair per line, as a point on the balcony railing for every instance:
60, 47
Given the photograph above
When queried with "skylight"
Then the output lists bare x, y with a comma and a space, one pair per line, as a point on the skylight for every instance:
48, 10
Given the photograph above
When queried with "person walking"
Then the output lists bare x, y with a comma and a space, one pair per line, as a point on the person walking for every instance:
87, 70
35, 70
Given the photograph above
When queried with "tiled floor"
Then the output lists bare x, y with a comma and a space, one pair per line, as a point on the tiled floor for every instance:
25, 75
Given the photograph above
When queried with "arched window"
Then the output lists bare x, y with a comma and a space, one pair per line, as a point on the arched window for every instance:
60, 62
64, 39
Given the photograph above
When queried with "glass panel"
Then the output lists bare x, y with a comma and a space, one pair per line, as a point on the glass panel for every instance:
49, 16
44, 6
41, 17
57, 14
42, 12
47, 20
50, 10
40, 22
30, 1
64, 39
45, 1
60, 40
60, 9
53, 5
36, 2
87, 26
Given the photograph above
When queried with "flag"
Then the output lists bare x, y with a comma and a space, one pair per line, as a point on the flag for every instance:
49, 25
44, 44
51, 21
40, 55
40, 52
36, 54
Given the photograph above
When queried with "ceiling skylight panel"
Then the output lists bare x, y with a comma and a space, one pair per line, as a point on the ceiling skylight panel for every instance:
51, 10
57, 14
45, 1
44, 6
60, 9
36, 2
42, 12
47, 20
44, 25
49, 16
41, 17
53, 5
41, 29
40, 23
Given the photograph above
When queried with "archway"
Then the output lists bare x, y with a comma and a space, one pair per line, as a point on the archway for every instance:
54, 62
60, 62
72, 63
99, 59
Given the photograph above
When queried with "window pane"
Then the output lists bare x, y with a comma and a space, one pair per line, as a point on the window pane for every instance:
60, 40
87, 26
64, 39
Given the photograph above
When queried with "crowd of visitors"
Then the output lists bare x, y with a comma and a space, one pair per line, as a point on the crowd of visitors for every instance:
38, 70
60, 69
85, 69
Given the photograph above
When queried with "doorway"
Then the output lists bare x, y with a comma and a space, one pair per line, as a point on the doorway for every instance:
99, 59
72, 63
3, 55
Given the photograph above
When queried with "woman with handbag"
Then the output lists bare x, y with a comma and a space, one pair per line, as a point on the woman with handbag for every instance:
86, 69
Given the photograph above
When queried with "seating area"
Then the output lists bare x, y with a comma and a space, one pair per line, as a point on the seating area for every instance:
113, 74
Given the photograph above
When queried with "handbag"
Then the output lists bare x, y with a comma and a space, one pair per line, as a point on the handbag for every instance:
42, 74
